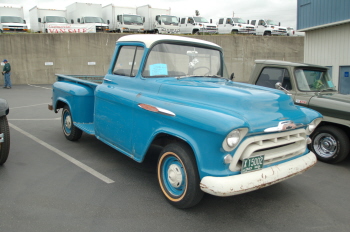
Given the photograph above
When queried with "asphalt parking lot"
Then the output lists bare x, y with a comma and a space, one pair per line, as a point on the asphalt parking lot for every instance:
51, 184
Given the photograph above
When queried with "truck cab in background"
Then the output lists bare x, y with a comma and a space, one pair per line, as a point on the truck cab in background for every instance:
158, 21
123, 19
234, 25
268, 27
197, 25
11, 19
87, 14
42, 19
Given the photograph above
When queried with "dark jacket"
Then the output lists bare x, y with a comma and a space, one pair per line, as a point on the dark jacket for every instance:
7, 68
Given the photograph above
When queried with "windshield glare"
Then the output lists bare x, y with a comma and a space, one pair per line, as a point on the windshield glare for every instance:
93, 20
56, 19
270, 22
200, 20
174, 60
133, 19
11, 19
167, 20
313, 80
238, 20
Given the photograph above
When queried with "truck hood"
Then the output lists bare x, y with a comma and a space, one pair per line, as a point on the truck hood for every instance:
332, 105
258, 107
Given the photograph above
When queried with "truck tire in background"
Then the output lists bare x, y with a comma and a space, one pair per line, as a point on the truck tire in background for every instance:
178, 176
70, 131
330, 144
4, 146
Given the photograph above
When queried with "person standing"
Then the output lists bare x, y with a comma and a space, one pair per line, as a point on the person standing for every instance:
7, 75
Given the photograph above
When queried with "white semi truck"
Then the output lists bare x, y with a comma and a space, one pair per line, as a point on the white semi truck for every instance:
122, 19
11, 19
87, 13
268, 27
197, 25
234, 25
42, 19
159, 21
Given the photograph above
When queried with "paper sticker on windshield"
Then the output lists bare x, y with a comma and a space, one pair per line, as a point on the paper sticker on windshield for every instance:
330, 84
158, 70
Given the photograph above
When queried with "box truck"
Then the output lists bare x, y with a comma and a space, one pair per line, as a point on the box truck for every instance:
87, 13
42, 19
159, 21
122, 19
11, 19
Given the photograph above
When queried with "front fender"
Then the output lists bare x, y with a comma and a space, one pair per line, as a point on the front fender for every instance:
4, 107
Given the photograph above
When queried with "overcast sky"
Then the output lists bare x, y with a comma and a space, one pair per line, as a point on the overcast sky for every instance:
283, 11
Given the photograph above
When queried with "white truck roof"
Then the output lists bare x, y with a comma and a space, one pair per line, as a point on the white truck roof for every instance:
148, 40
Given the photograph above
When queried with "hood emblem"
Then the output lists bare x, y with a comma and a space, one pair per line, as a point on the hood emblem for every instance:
282, 126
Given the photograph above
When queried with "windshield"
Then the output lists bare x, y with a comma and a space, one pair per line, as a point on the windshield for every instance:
168, 20
93, 20
238, 20
56, 19
200, 20
11, 19
270, 22
313, 80
174, 60
132, 19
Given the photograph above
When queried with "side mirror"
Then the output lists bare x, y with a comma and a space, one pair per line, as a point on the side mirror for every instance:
24, 21
108, 21
279, 86
279, 24
232, 76
211, 21
39, 20
72, 21
78, 20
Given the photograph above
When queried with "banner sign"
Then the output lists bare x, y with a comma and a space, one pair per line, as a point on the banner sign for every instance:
71, 28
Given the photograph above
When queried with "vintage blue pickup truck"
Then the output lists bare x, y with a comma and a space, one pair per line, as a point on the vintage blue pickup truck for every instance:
217, 136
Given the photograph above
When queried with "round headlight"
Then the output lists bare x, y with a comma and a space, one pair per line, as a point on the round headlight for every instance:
233, 138
312, 126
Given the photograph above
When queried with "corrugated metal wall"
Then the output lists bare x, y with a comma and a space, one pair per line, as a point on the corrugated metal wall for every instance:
311, 13
329, 47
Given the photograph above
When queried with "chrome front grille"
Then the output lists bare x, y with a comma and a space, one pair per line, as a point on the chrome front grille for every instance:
276, 147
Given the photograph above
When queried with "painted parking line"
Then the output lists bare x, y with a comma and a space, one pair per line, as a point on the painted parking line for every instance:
64, 155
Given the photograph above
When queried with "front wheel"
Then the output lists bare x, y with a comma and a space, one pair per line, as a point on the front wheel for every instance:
5, 145
70, 131
178, 175
330, 144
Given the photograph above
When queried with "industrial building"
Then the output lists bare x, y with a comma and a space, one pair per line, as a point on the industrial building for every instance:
326, 24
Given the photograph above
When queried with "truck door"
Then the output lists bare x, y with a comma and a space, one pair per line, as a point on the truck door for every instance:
115, 99
221, 26
260, 28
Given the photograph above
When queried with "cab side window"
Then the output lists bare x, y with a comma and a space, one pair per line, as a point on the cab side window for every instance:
270, 76
128, 61
221, 21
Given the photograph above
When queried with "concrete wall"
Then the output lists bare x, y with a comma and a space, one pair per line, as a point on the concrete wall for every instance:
30, 54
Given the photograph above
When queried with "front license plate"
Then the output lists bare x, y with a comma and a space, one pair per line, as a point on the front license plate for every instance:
252, 163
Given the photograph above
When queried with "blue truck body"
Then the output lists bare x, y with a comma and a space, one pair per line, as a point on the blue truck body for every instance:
209, 126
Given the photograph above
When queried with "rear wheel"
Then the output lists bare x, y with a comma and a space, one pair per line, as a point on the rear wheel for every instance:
330, 144
70, 131
5, 145
178, 175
